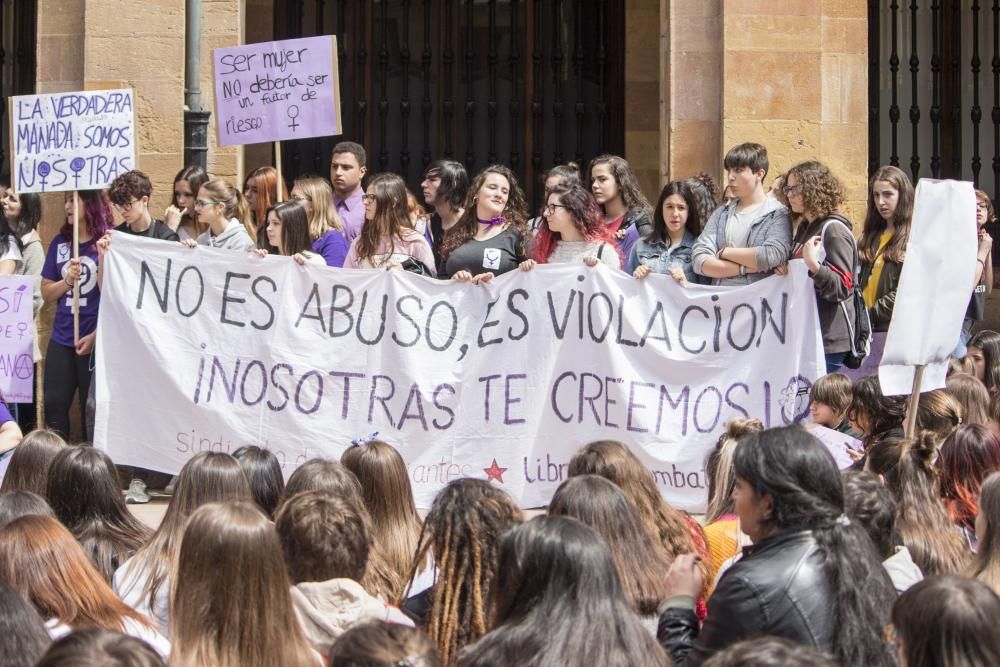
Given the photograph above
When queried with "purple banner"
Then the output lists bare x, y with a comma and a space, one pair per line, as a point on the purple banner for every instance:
17, 338
274, 91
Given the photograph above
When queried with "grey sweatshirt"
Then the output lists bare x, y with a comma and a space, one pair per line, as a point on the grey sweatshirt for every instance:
770, 235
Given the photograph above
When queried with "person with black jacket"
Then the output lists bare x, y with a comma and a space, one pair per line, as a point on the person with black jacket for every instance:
825, 242
810, 576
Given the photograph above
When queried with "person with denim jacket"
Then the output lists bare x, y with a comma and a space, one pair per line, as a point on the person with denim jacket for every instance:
667, 248
749, 237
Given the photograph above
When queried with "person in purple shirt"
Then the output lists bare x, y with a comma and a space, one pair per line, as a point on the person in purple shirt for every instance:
326, 229
67, 362
347, 168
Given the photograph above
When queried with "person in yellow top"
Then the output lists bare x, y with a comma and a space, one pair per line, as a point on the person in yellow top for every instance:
882, 249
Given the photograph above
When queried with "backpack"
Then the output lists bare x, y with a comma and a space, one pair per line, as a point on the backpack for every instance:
859, 327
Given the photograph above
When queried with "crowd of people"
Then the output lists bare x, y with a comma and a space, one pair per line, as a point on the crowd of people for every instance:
894, 559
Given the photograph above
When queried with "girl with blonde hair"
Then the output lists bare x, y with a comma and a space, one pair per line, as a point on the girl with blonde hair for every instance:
326, 229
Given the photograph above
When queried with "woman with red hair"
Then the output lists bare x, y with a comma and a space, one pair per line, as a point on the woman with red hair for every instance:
261, 191
966, 458
42, 561
572, 230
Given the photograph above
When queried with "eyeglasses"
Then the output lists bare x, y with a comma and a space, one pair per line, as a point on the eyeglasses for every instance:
301, 198
126, 207
198, 203
367, 199
790, 190
551, 208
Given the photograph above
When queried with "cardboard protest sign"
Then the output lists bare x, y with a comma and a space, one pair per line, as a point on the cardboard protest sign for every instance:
17, 339
934, 287
274, 91
503, 381
71, 141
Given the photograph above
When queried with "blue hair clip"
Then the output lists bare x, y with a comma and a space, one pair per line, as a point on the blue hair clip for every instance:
364, 440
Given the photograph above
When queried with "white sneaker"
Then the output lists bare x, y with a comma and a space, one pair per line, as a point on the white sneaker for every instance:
136, 493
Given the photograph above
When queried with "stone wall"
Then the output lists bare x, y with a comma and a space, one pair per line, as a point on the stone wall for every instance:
642, 92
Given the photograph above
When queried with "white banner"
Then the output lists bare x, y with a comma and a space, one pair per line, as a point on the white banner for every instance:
210, 349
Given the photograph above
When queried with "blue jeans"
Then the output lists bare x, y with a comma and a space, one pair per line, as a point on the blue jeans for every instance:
835, 361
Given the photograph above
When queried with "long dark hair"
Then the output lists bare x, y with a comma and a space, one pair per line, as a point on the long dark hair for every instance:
31, 212
7, 236
515, 215
295, 237
989, 343
881, 414
694, 221
587, 218
907, 466
868, 246
801, 477
23, 630
987, 565
28, 469
628, 183
264, 472
195, 177
454, 181
948, 621
84, 493
392, 215
966, 458
557, 600
462, 532
642, 566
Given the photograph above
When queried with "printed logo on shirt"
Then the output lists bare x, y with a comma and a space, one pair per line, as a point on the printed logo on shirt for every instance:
63, 252
491, 258
88, 279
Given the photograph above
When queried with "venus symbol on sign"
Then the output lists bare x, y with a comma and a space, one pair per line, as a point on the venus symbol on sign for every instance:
44, 169
77, 166
293, 113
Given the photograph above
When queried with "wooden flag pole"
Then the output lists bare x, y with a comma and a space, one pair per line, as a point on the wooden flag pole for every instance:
914, 402
76, 256
277, 166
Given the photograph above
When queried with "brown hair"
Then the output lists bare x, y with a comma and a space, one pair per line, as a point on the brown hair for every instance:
868, 246
84, 493
987, 564
230, 605
93, 647
392, 215
236, 205
28, 469
991, 214
195, 177
640, 562
15, 504
719, 467
939, 413
462, 532
324, 214
207, 477
42, 561
514, 215
921, 519
972, 395
386, 490
625, 179
381, 644
323, 537
822, 192
835, 390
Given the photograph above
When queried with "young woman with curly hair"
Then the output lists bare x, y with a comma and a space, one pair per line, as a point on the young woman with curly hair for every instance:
572, 230
491, 237
825, 242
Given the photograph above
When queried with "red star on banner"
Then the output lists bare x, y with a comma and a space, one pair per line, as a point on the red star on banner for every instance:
494, 472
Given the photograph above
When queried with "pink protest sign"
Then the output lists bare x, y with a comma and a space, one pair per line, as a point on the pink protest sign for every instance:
17, 338
273, 91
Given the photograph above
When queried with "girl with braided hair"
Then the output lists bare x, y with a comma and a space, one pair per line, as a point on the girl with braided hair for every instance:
811, 576
462, 533
907, 466
557, 600
675, 531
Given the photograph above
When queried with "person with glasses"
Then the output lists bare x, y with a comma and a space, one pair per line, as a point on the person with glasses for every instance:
561, 174
572, 230
825, 241
667, 248
68, 360
130, 194
984, 272
326, 229
226, 212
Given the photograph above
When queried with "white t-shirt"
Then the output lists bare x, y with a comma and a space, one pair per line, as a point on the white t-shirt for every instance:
131, 627
130, 585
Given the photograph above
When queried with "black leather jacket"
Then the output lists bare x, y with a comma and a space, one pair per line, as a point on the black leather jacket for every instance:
778, 588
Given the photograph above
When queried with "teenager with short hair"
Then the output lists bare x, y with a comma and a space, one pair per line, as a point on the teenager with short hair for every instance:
326, 541
870, 503
557, 600
43, 562
230, 604
226, 213
873, 415
68, 362
387, 239
626, 210
667, 248
750, 236
83, 491
983, 278
130, 193
572, 230
28, 469
348, 165
491, 237
326, 229
947, 621
829, 400
811, 575
180, 216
